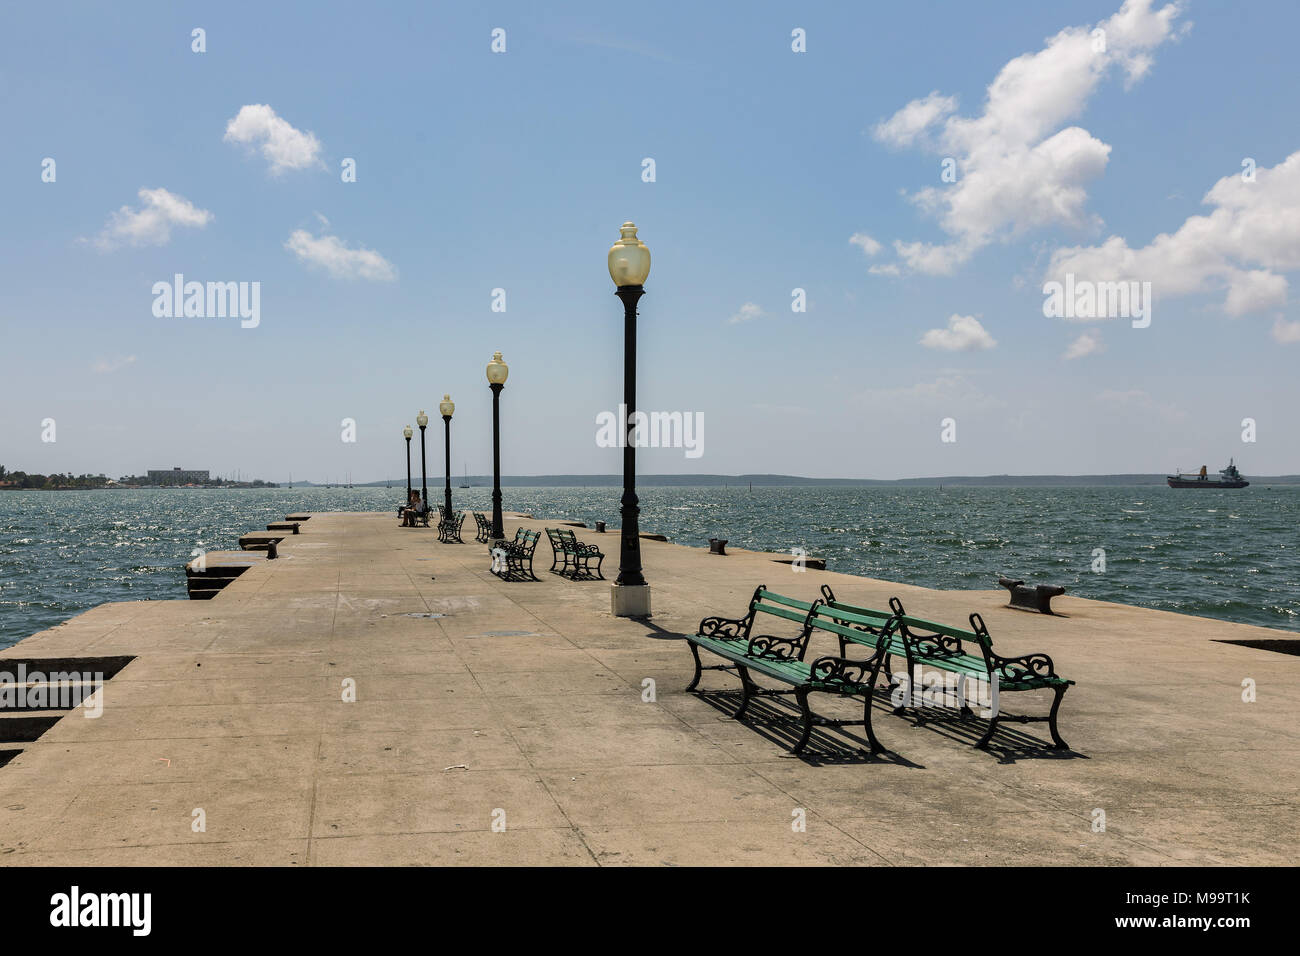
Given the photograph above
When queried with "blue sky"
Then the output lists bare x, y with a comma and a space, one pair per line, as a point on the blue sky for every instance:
478, 170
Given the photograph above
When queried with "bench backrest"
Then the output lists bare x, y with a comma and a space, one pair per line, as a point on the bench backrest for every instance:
568, 537
787, 608
857, 627
928, 638
557, 543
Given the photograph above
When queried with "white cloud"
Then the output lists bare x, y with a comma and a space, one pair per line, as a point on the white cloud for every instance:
1089, 343
334, 256
1286, 333
1021, 167
963, 334
284, 146
151, 224
1251, 237
868, 245
745, 313
907, 125
104, 366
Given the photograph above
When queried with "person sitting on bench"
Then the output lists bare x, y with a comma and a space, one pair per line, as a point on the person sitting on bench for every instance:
415, 507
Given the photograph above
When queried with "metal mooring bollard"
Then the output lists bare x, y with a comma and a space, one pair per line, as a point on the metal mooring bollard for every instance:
271, 553
1038, 598
600, 527
295, 527
717, 546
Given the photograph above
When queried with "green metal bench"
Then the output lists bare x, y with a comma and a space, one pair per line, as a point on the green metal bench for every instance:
449, 527
577, 556
782, 659
926, 643
517, 564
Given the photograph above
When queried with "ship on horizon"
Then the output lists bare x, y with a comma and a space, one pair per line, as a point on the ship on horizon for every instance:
1230, 477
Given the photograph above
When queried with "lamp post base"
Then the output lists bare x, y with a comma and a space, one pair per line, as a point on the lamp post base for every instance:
630, 600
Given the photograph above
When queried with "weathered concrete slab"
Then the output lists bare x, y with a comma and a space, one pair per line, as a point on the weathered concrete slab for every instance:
375, 697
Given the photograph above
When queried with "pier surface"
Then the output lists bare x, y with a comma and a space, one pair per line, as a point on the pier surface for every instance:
481, 705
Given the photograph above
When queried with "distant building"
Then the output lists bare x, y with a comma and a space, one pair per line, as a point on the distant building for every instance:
177, 476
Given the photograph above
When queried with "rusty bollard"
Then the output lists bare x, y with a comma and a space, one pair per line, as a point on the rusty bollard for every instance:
295, 527
718, 546
271, 553
600, 527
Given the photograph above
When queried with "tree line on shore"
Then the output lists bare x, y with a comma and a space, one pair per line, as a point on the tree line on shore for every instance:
13, 480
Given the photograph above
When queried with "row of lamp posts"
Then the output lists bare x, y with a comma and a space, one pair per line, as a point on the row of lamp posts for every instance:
629, 266
497, 371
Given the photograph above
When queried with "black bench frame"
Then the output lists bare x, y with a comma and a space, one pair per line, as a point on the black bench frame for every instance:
783, 659
577, 556
925, 642
519, 556
449, 528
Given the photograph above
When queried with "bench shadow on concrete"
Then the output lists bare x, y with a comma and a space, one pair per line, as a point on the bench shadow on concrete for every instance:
777, 719
1008, 744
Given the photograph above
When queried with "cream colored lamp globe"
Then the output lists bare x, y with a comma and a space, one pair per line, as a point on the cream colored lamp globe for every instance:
407, 433
497, 370
629, 259
447, 407
422, 419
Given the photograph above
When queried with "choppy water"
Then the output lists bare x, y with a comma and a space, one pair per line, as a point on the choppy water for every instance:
1233, 555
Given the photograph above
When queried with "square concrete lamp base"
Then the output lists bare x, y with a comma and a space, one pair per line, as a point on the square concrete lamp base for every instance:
630, 600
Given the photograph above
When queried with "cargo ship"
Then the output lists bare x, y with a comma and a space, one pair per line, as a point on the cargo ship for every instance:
1229, 477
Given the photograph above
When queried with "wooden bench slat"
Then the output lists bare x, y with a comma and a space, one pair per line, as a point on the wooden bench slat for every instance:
786, 613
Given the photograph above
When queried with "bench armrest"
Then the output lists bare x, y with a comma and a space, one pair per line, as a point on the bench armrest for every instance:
765, 646
832, 669
931, 645
722, 627
1025, 667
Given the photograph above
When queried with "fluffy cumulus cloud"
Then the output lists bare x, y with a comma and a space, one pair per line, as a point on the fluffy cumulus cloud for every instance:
283, 146
332, 254
1020, 165
963, 334
1242, 248
1089, 343
746, 313
151, 224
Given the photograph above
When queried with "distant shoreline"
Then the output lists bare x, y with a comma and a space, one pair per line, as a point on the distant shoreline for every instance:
711, 481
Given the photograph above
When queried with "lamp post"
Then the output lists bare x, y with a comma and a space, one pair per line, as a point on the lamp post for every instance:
447, 407
422, 420
407, 433
497, 371
629, 265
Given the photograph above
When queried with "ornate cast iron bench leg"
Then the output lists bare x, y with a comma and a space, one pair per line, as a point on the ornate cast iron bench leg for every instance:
801, 695
1051, 720
746, 690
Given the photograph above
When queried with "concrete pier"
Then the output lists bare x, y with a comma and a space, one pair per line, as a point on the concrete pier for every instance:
373, 696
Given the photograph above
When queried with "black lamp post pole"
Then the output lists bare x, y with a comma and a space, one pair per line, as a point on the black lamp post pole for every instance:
447, 454
424, 484
408, 469
498, 531
629, 558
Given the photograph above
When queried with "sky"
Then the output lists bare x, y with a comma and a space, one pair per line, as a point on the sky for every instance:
920, 171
